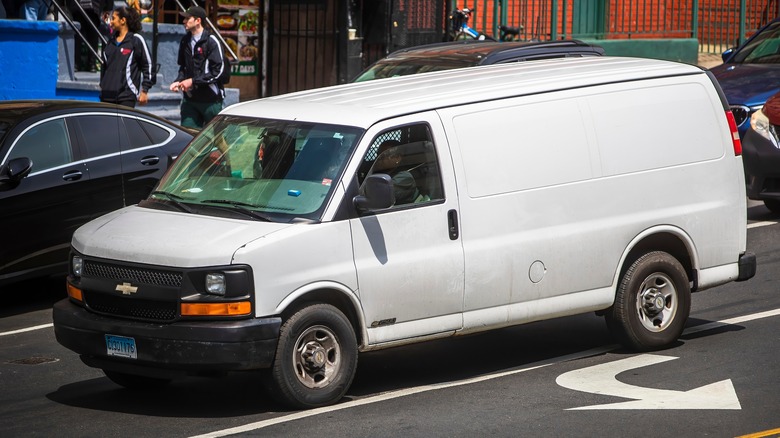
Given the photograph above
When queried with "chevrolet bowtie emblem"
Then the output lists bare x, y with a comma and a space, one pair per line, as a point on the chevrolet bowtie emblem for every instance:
126, 288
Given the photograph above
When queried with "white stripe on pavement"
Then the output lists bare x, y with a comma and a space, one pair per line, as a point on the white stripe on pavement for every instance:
28, 329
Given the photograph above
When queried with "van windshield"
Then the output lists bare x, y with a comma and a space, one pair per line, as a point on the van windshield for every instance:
262, 169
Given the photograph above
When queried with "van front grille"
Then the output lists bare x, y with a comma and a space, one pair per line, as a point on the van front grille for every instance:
134, 275
163, 311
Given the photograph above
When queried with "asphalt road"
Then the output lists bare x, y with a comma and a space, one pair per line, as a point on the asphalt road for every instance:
563, 377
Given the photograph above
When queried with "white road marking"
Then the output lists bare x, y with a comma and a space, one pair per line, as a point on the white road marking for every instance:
410, 391
28, 329
602, 379
760, 224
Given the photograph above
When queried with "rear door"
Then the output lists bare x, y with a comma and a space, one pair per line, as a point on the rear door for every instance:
125, 156
101, 137
144, 160
409, 257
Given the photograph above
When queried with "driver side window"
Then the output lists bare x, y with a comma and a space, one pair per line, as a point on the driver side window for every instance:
407, 155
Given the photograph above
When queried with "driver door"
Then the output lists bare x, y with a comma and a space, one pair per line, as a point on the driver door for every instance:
409, 262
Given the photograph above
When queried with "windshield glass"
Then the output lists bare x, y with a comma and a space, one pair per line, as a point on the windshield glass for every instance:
390, 67
262, 169
763, 49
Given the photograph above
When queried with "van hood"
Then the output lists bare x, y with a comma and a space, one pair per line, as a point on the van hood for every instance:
748, 84
166, 238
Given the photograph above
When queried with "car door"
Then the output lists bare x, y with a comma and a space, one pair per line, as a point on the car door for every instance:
144, 158
38, 216
409, 257
101, 136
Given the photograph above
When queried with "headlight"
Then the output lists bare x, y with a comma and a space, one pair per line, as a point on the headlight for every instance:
760, 124
215, 284
77, 265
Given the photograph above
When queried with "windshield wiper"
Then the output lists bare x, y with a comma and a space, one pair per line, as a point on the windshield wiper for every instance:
175, 199
241, 207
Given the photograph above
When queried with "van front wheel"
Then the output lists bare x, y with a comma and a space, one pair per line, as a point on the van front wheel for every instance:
652, 303
316, 358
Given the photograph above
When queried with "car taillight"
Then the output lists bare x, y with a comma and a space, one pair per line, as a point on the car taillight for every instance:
734, 134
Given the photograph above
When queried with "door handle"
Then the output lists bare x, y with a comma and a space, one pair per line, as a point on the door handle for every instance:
73, 175
150, 160
452, 224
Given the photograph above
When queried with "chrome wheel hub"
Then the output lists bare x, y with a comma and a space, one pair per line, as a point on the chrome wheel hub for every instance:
657, 302
317, 357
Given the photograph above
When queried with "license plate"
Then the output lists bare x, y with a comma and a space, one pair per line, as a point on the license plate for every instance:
121, 346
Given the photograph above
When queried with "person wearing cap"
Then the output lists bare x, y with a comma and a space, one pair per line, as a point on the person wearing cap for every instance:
201, 62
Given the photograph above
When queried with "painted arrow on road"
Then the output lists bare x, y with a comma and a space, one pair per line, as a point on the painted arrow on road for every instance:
601, 379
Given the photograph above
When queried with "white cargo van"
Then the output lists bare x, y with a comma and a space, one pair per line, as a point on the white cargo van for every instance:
299, 230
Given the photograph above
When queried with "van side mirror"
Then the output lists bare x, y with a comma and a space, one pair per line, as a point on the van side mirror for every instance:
14, 170
377, 193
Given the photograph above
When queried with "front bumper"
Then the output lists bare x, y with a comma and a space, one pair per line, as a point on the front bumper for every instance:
761, 160
167, 350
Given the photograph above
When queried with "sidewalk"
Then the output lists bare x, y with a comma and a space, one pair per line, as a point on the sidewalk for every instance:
709, 60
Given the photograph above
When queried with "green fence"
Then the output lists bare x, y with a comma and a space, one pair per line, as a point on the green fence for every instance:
716, 24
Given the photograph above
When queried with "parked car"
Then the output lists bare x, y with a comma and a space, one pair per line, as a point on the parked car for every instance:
459, 54
761, 155
64, 163
751, 73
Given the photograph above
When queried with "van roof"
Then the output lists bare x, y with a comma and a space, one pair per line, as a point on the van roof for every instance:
364, 103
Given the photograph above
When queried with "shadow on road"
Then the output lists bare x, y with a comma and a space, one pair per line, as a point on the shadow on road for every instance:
230, 396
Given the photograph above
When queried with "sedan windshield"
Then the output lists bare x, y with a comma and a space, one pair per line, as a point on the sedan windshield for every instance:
763, 49
270, 170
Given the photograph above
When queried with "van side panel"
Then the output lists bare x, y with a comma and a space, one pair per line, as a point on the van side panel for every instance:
671, 155
514, 146
558, 185
659, 132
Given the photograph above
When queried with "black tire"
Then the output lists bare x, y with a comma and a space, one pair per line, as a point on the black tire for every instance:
773, 205
652, 303
134, 382
315, 360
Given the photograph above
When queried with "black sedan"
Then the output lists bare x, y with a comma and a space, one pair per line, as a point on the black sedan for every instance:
63, 163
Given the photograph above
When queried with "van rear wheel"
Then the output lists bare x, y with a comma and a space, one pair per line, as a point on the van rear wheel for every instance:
316, 358
652, 303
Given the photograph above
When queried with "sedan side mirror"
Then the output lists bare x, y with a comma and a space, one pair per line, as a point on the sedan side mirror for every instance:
727, 54
15, 170
377, 193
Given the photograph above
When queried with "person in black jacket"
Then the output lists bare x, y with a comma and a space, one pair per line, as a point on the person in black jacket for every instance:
201, 62
127, 75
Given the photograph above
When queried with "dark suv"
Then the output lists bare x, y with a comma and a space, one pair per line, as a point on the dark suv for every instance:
761, 154
458, 54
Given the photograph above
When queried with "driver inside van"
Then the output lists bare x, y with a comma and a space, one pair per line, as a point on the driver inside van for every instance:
388, 159
275, 155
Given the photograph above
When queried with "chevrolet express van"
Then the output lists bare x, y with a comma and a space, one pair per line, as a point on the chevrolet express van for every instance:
297, 231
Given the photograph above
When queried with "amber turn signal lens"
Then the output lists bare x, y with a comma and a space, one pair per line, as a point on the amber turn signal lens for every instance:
75, 293
216, 309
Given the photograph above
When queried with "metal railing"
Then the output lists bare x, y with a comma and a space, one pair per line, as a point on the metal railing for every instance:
84, 20
717, 24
